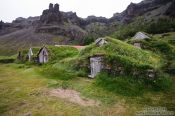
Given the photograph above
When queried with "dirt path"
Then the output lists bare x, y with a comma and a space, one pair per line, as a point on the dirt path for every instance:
73, 96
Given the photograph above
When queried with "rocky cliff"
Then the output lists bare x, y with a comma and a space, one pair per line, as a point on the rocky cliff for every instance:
150, 9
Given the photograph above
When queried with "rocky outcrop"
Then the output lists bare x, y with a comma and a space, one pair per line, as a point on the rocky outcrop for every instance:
66, 24
52, 15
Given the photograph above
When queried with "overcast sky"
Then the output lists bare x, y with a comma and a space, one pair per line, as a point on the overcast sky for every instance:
11, 9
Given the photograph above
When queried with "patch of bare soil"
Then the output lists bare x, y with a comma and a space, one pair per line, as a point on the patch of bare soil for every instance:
73, 96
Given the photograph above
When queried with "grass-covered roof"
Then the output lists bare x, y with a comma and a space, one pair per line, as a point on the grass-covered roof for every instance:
121, 51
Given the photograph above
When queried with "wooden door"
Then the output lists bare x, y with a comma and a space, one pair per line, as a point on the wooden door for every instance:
96, 66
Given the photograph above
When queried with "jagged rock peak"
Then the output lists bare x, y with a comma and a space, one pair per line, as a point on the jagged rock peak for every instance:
52, 15
50, 6
54, 7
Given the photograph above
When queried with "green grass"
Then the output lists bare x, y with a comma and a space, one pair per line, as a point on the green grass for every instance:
23, 89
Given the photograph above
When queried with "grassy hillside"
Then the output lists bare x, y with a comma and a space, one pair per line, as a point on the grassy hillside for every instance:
162, 44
